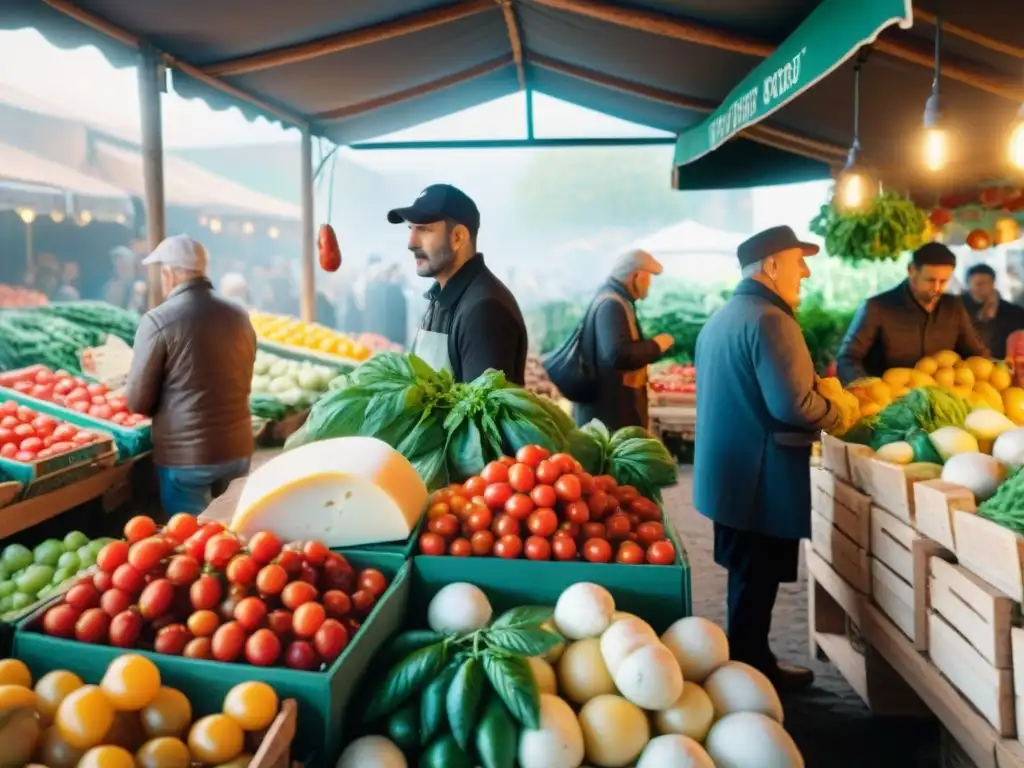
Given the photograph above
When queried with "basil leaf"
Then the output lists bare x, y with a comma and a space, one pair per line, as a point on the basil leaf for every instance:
432, 703
524, 616
405, 679
463, 700
496, 736
524, 642
407, 642
513, 681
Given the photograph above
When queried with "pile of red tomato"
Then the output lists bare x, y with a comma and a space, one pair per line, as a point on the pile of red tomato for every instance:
28, 436
196, 590
545, 507
89, 397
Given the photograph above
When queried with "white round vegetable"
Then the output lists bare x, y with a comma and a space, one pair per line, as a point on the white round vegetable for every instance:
584, 610
372, 752
986, 424
650, 677
899, 452
459, 607
738, 687
675, 751
544, 674
691, 715
582, 674
615, 731
1009, 448
558, 743
622, 638
699, 645
949, 441
980, 474
752, 740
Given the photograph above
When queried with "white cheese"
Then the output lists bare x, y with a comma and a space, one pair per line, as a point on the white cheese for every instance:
344, 492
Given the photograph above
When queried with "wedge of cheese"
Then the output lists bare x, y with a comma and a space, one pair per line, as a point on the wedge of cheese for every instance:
344, 492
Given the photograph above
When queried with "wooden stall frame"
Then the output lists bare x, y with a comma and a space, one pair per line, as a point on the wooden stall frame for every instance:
276, 746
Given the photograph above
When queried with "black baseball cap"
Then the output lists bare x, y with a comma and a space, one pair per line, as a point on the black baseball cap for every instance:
437, 202
769, 242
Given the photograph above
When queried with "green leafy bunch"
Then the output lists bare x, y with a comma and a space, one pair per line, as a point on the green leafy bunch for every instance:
891, 226
632, 455
464, 696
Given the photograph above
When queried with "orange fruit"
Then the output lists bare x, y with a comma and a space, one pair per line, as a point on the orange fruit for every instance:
215, 739
252, 705
53, 687
169, 713
131, 681
163, 752
84, 717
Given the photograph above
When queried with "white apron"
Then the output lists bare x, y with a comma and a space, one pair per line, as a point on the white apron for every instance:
432, 348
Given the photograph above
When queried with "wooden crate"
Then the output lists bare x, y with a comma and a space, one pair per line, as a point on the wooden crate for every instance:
894, 596
834, 458
841, 504
842, 553
887, 484
924, 551
988, 689
276, 745
1017, 650
934, 504
892, 542
991, 552
982, 615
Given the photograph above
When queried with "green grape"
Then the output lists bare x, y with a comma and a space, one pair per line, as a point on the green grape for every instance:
34, 578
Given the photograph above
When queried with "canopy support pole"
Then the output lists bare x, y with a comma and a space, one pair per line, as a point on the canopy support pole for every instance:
151, 84
307, 300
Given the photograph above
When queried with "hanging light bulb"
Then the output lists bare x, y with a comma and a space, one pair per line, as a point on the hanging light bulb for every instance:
856, 187
1017, 141
936, 138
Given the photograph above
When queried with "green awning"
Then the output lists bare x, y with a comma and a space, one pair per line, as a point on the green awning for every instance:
831, 34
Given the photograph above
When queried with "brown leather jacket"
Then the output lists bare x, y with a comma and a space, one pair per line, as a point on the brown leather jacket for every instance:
192, 372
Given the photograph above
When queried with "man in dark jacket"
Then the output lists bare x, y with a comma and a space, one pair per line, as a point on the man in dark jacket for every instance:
473, 321
614, 345
191, 372
758, 413
897, 328
994, 319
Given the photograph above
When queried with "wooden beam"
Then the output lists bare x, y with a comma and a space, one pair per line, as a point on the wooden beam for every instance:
354, 110
700, 34
343, 41
761, 133
1013, 51
514, 39
132, 40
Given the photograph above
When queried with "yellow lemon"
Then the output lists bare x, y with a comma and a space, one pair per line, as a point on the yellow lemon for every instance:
982, 367
1013, 403
945, 377
1001, 377
964, 377
927, 365
947, 358
921, 379
14, 672
897, 377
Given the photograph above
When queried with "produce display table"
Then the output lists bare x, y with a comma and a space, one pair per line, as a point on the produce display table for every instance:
673, 419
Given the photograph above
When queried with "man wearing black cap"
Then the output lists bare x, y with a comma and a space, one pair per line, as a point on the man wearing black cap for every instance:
758, 413
897, 328
473, 322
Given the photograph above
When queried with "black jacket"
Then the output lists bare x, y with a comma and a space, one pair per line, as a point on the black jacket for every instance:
993, 333
482, 319
891, 330
610, 347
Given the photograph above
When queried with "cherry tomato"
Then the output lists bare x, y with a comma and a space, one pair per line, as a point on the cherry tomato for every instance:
520, 477
544, 496
180, 526
617, 526
568, 488
505, 525
437, 509
479, 519
537, 548
114, 600
519, 506
532, 455
460, 547
626, 494
576, 511
112, 555
198, 648
59, 621
182, 570
363, 601
291, 561
337, 573
205, 593
82, 596
496, 495
125, 629
509, 547
597, 551
373, 580
630, 553
172, 639
309, 574
475, 486
568, 528
482, 543
593, 531
542, 522
586, 482
548, 472
220, 549
661, 553
432, 544
228, 641
307, 619
564, 548
264, 547
139, 528
242, 569
93, 626
315, 552
495, 473
250, 612
600, 503
330, 640
648, 533
156, 599
271, 579
203, 623
146, 554
296, 593
508, 461
129, 578
446, 525
280, 622
336, 603
301, 654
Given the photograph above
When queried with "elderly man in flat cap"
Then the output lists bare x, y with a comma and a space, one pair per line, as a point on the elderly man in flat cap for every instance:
758, 413
614, 348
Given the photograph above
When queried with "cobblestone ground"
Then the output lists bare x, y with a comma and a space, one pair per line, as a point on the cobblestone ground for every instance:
830, 723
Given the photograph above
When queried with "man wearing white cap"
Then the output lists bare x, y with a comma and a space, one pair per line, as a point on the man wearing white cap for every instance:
191, 372
614, 348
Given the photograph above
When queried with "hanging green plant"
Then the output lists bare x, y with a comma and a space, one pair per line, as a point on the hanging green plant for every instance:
892, 226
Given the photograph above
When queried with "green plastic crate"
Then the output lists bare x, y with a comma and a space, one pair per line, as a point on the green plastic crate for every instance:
323, 697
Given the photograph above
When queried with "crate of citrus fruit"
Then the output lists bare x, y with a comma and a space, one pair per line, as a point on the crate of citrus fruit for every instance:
291, 337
